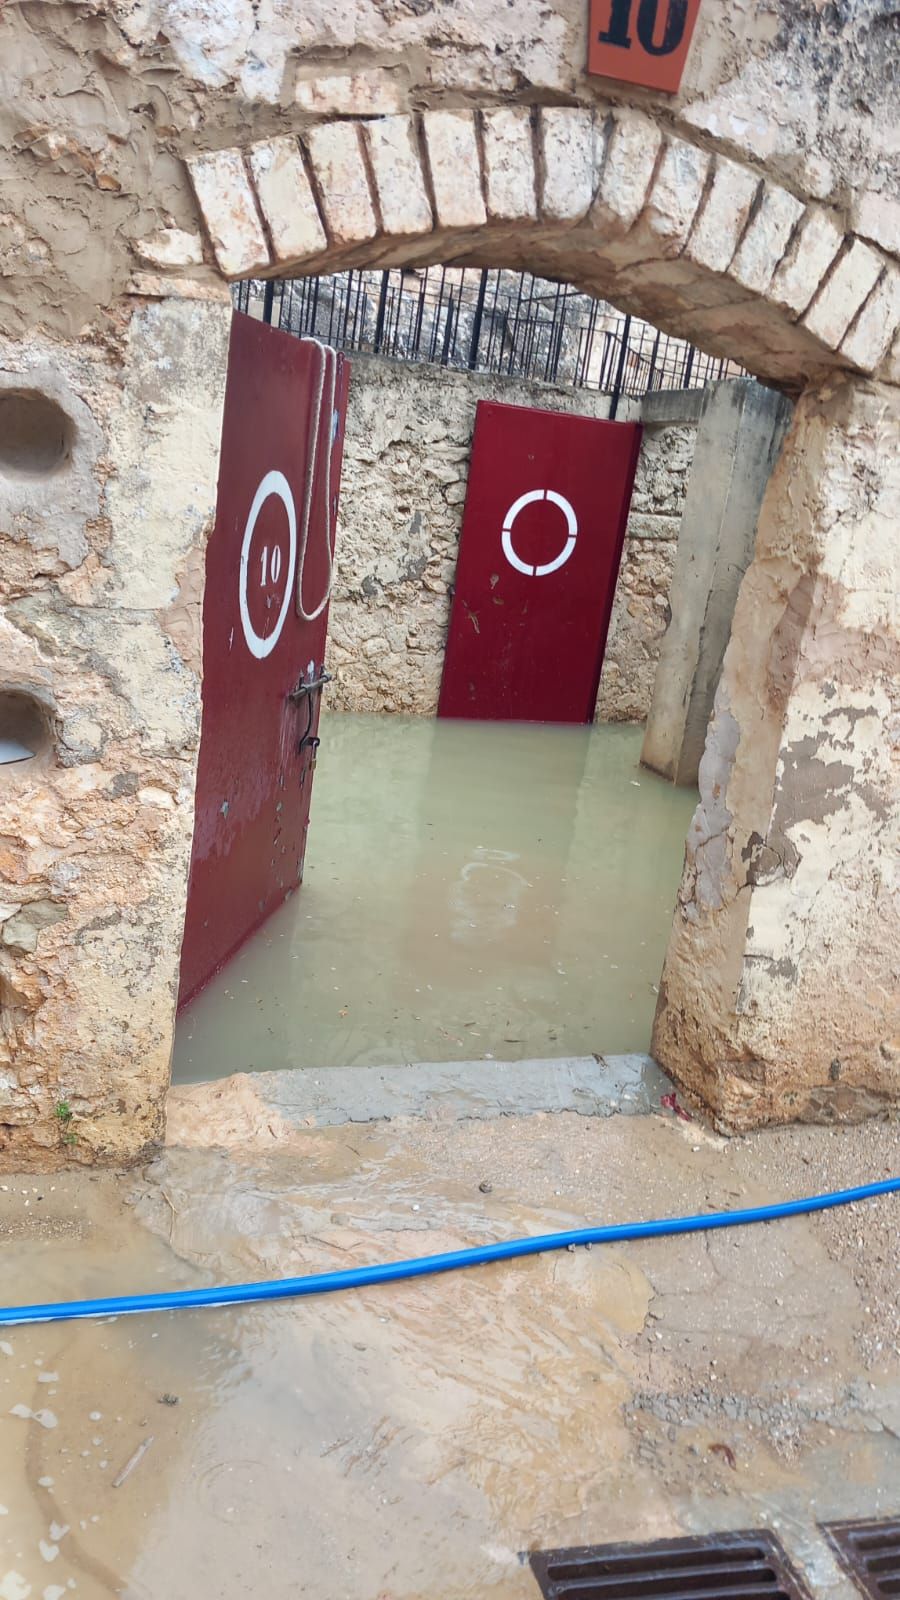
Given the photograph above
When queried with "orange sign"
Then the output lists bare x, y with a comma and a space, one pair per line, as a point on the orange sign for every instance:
641, 41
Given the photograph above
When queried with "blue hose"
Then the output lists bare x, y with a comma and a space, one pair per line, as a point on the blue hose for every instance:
424, 1266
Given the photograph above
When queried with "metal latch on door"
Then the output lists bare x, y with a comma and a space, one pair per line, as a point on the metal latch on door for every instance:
309, 684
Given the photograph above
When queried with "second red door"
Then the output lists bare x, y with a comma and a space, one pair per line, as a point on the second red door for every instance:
542, 535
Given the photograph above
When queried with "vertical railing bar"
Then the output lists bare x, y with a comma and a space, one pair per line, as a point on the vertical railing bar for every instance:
448, 324
420, 312
379, 319
617, 385
514, 337
478, 319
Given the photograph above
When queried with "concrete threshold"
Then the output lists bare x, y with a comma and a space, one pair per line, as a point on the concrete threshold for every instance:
593, 1086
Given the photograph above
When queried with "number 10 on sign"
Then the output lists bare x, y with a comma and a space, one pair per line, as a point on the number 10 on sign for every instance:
641, 41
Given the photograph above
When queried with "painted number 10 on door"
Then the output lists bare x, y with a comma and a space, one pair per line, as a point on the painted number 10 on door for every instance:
641, 41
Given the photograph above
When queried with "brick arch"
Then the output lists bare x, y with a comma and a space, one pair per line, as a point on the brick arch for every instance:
707, 247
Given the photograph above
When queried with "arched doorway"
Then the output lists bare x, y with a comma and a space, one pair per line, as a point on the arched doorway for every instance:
776, 997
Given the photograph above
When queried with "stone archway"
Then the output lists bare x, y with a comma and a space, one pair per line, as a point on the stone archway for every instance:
778, 990
599, 195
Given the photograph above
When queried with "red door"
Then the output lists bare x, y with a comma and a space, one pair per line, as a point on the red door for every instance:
269, 556
542, 534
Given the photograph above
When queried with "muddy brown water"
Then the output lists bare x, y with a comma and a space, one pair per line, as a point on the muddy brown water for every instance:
410, 1442
471, 890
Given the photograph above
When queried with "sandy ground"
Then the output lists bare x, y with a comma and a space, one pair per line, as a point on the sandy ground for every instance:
415, 1440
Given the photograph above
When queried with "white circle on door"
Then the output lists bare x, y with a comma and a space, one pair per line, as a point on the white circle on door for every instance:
271, 562
509, 549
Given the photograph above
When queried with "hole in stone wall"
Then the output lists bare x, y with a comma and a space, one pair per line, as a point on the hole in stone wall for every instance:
25, 730
35, 434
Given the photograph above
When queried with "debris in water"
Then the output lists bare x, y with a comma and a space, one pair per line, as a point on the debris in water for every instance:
670, 1101
13, 1586
132, 1462
47, 1419
168, 1399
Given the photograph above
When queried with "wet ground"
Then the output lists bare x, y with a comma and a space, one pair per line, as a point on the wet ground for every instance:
471, 889
413, 1441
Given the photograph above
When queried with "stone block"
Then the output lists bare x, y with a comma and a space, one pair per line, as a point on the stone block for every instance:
871, 335
285, 195
814, 247
225, 196
399, 180
171, 285
646, 525
676, 194
766, 239
877, 217
340, 172
455, 165
375, 92
171, 247
724, 216
843, 293
509, 163
571, 146
633, 146
23, 930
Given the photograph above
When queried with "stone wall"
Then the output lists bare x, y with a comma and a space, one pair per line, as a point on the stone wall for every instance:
789, 905
406, 457
101, 574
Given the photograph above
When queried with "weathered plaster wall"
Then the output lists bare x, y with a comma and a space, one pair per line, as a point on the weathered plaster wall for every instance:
740, 434
781, 991
101, 575
406, 458
640, 612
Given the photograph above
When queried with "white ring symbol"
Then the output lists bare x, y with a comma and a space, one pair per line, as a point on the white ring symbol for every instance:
273, 483
571, 524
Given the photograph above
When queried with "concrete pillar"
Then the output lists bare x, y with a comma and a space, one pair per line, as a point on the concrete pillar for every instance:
780, 996
739, 435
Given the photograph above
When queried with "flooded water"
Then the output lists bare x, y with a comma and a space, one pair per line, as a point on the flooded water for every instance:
296, 1442
472, 890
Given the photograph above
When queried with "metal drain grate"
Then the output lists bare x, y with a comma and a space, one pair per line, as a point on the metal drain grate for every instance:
870, 1552
724, 1566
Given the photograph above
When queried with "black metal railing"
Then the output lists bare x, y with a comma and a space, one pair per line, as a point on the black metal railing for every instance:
509, 323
